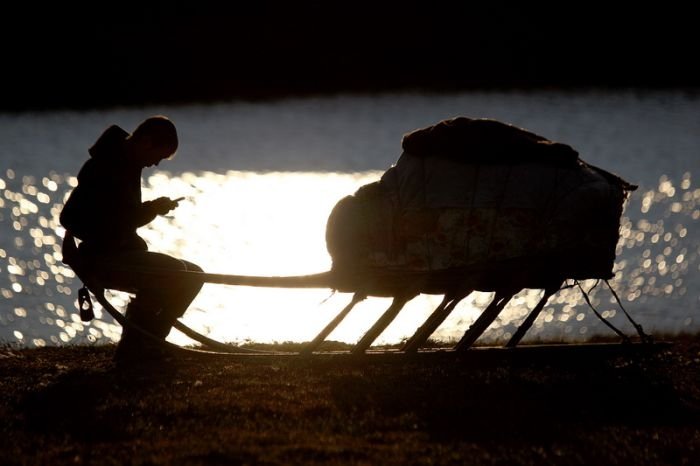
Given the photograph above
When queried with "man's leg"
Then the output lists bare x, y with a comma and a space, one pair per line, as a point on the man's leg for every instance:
176, 300
159, 300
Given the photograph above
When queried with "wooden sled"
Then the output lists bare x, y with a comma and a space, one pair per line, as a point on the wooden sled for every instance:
402, 287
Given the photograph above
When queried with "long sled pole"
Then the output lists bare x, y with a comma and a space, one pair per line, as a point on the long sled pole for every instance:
318, 280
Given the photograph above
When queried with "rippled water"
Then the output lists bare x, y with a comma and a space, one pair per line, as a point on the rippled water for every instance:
256, 221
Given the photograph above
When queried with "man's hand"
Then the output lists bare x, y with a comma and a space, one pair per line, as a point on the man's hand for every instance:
163, 205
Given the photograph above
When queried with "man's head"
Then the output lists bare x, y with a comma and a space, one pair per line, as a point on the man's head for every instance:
153, 140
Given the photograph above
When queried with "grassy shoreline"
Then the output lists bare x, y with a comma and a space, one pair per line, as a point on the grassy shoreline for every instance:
72, 405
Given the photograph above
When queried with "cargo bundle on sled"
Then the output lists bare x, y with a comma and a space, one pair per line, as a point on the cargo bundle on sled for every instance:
471, 205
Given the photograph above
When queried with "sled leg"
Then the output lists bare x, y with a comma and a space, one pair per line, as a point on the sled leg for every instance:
316, 342
433, 322
527, 323
383, 322
484, 320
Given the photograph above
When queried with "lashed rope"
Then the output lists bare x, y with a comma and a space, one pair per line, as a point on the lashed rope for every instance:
643, 336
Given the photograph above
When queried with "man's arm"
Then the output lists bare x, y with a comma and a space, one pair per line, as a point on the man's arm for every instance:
151, 209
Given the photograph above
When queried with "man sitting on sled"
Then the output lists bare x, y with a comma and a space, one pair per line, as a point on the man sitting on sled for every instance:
105, 210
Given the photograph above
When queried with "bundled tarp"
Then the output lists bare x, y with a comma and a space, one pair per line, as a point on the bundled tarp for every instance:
469, 192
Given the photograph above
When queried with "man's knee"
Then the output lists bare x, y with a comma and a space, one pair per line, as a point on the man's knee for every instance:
191, 267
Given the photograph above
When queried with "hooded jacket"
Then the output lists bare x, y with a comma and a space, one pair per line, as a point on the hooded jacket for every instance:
105, 209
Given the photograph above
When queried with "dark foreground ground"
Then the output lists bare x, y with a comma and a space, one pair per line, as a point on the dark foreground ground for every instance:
72, 406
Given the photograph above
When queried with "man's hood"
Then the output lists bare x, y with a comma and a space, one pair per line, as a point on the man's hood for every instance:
109, 144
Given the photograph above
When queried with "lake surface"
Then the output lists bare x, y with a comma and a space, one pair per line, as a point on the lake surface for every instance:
261, 178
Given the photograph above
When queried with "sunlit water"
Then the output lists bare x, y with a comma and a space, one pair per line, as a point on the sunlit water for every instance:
260, 180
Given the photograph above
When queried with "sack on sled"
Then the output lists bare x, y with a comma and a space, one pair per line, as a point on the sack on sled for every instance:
468, 192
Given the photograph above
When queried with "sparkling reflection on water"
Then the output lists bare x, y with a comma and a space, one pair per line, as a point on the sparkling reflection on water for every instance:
274, 224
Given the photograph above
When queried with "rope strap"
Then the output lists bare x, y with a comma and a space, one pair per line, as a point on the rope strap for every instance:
644, 337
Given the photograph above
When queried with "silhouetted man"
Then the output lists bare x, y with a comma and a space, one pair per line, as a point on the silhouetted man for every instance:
104, 211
